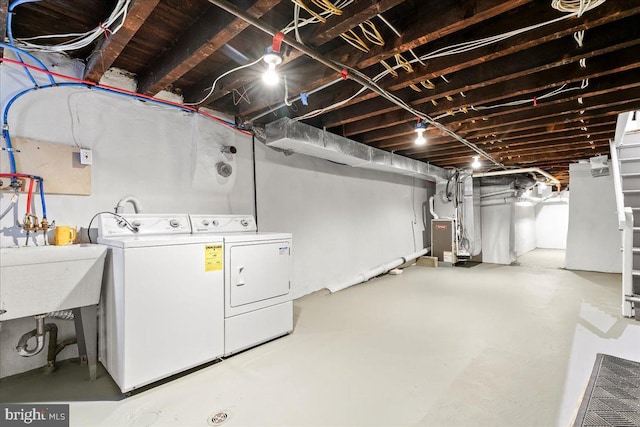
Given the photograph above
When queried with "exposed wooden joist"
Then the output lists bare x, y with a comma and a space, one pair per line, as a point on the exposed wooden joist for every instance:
322, 33
204, 37
609, 12
531, 148
544, 57
110, 48
422, 31
599, 72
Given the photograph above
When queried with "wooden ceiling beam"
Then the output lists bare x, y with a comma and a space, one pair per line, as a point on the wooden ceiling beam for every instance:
628, 80
547, 62
404, 142
603, 84
564, 155
607, 13
353, 15
439, 19
108, 49
573, 119
569, 143
204, 37
450, 19
491, 145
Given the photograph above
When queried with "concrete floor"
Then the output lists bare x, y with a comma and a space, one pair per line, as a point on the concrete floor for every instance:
543, 258
486, 346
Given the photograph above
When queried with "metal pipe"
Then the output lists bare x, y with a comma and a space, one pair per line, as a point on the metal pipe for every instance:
38, 332
339, 68
632, 299
297, 98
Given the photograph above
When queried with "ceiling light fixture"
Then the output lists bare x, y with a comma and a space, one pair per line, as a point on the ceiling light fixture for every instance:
420, 129
476, 162
273, 58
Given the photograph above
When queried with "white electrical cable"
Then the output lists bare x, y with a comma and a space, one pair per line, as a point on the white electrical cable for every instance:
299, 23
575, 6
80, 40
446, 51
213, 86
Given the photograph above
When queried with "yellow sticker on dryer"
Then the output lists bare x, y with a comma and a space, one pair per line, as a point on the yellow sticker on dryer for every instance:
212, 257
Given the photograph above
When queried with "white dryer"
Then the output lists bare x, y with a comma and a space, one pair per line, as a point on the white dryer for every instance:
161, 309
257, 280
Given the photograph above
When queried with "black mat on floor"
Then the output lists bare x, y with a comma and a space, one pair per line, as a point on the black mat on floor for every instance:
612, 397
468, 264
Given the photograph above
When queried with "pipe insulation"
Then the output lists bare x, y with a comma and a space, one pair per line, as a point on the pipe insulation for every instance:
352, 74
363, 277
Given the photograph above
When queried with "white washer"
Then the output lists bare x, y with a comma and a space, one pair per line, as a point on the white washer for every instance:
257, 303
162, 298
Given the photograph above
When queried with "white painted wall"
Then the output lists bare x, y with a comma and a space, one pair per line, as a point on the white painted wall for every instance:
524, 227
344, 220
552, 222
593, 238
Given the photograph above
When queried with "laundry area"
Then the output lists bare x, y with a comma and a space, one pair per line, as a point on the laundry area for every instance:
319, 213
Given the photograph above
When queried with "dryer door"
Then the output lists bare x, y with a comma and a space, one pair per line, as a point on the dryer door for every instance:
259, 275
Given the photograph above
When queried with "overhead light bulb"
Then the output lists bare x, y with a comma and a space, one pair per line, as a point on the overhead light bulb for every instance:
420, 129
270, 77
476, 162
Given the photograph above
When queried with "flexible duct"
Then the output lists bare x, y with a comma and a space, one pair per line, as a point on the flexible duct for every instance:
363, 277
539, 171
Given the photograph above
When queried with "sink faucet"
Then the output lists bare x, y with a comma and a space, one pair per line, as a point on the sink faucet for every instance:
137, 207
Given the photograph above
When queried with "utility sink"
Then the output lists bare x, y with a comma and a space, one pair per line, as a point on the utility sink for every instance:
42, 279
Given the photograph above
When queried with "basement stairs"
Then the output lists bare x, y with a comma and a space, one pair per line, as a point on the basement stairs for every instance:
629, 166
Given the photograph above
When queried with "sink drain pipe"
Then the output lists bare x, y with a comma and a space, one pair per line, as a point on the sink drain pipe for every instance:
39, 333
363, 277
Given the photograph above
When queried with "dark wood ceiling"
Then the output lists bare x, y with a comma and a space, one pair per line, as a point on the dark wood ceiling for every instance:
499, 97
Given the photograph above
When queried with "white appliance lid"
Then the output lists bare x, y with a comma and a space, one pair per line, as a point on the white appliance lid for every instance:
158, 240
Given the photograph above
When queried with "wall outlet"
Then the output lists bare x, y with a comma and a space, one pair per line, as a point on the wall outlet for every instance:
86, 157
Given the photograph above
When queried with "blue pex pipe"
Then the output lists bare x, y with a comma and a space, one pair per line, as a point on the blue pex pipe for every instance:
19, 51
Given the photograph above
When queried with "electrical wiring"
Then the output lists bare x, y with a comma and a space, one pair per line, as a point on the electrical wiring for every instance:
91, 85
578, 7
213, 86
561, 89
371, 33
354, 40
110, 26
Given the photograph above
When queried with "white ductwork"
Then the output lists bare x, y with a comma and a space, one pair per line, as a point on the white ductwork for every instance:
293, 136
363, 277
539, 171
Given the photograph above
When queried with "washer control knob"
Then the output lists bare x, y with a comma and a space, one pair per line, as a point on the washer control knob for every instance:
244, 222
136, 223
174, 223
214, 222
205, 222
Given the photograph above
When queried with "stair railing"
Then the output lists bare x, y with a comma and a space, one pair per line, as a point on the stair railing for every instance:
625, 216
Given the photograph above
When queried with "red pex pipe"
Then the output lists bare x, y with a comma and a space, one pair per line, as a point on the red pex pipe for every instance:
123, 91
29, 196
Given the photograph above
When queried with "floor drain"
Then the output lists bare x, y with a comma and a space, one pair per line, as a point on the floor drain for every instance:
218, 419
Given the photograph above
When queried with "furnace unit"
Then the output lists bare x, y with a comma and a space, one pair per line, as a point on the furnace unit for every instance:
443, 240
